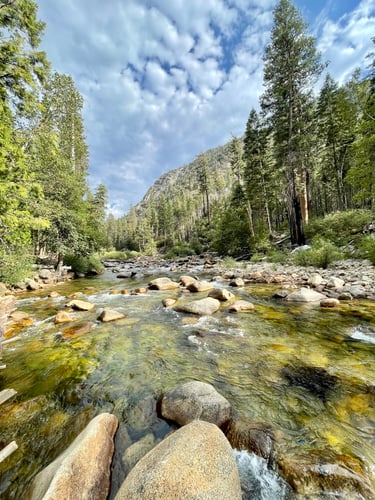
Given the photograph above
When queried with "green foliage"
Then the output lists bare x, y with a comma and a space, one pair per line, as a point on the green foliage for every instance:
15, 264
115, 254
339, 227
22, 64
321, 254
180, 250
367, 248
84, 264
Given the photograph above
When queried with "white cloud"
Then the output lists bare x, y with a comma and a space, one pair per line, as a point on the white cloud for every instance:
165, 80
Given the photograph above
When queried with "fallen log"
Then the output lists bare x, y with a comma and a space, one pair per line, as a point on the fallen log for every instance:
8, 450
6, 394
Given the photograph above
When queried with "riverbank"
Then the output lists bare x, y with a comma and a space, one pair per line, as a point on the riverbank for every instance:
345, 280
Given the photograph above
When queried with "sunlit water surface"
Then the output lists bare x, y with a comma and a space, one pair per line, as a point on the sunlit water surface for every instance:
115, 367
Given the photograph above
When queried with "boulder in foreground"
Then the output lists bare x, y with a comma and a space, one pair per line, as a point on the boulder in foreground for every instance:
82, 470
195, 462
195, 401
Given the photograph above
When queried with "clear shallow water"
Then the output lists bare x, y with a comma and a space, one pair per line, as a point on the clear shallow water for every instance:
118, 366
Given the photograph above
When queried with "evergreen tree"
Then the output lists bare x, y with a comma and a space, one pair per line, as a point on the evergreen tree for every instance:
362, 172
291, 67
259, 169
60, 160
238, 165
203, 178
22, 65
337, 119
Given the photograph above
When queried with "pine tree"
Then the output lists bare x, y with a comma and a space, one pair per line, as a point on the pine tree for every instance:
203, 178
22, 65
362, 172
291, 67
237, 162
60, 161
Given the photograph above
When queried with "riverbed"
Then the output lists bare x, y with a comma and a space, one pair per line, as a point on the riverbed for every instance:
64, 375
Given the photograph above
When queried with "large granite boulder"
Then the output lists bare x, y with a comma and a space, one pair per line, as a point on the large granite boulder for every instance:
195, 401
82, 470
202, 307
194, 462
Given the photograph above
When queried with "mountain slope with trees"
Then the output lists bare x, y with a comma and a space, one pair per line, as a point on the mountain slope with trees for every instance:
305, 154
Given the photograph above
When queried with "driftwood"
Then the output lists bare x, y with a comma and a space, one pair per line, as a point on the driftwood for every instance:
8, 341
6, 394
8, 450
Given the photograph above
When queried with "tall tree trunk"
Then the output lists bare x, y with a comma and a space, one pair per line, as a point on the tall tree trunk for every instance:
303, 195
297, 236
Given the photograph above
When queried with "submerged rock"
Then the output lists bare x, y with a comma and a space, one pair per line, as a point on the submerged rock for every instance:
329, 302
258, 438
63, 317
195, 400
326, 473
83, 470
316, 380
194, 462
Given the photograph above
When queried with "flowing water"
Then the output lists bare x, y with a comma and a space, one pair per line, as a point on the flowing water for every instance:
63, 378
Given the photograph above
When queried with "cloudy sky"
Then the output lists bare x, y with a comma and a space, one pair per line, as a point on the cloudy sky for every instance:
164, 80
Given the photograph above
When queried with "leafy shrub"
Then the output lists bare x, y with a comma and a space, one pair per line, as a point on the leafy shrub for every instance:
15, 265
115, 254
180, 250
84, 265
367, 248
321, 254
339, 227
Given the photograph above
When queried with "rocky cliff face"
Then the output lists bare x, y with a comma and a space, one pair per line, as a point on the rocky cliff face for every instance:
183, 182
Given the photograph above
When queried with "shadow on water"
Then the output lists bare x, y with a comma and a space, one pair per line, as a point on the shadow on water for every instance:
295, 367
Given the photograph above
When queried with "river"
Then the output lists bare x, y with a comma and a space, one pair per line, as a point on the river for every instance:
63, 378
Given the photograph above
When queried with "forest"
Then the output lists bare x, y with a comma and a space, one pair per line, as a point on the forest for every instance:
303, 172
46, 206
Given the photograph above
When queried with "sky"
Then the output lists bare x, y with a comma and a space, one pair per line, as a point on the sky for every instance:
165, 80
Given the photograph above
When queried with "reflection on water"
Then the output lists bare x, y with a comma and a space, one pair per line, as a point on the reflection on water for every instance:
64, 378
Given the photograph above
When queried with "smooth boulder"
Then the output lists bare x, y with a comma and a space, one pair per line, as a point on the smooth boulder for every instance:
199, 286
163, 284
221, 294
108, 315
195, 462
195, 401
241, 306
202, 307
82, 470
305, 295
80, 305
